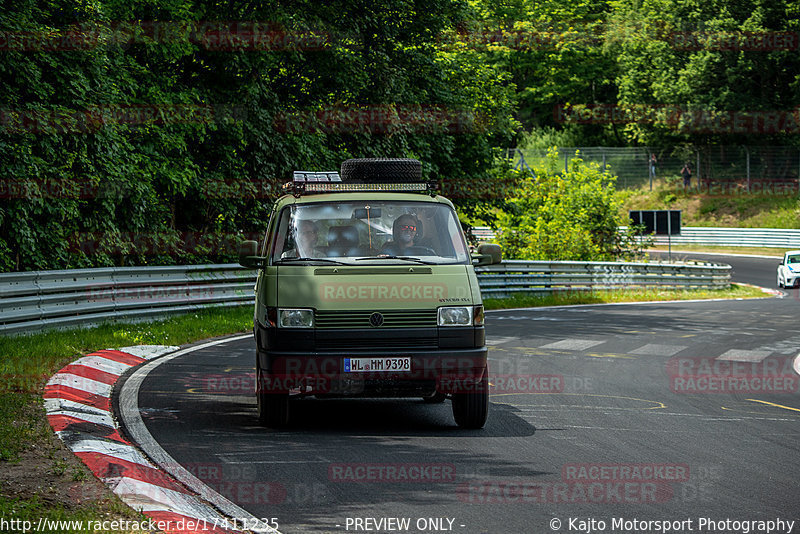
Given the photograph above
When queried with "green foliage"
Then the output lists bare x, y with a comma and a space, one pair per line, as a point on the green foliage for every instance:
569, 215
692, 63
162, 149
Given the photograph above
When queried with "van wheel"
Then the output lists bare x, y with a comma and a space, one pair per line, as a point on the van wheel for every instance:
470, 410
435, 398
381, 170
273, 408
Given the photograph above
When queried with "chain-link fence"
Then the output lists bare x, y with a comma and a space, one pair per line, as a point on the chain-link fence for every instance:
745, 168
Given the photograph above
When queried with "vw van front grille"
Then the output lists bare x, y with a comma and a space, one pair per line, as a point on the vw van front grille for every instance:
398, 343
391, 319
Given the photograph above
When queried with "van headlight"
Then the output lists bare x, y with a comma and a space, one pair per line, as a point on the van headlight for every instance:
455, 316
295, 318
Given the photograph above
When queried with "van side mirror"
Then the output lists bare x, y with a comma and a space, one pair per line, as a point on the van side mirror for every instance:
248, 255
488, 254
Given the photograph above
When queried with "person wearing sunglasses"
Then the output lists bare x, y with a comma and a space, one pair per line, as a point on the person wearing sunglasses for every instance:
405, 230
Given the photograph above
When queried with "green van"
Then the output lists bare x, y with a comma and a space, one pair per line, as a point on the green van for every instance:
366, 287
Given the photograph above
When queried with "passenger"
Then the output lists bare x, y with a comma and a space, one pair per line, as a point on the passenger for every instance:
305, 238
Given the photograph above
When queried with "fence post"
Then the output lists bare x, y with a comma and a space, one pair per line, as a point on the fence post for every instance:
748, 168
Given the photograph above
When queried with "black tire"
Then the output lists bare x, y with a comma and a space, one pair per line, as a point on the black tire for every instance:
470, 410
381, 170
273, 408
436, 398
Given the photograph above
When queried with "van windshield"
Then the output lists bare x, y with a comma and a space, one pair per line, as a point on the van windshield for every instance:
369, 232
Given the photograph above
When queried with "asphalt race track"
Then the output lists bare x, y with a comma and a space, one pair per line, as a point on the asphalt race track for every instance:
681, 412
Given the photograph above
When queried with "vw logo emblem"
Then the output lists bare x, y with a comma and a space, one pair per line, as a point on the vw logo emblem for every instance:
376, 319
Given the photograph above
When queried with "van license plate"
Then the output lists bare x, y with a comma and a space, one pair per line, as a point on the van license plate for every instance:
372, 365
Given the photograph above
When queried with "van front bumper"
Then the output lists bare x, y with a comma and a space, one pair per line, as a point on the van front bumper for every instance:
323, 373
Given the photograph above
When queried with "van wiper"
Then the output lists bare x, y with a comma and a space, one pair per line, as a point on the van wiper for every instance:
391, 257
326, 260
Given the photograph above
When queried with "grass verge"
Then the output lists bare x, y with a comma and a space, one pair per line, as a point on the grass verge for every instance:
736, 291
39, 477
716, 207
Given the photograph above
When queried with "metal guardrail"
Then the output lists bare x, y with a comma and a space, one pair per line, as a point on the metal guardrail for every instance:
35, 300
514, 277
699, 235
735, 237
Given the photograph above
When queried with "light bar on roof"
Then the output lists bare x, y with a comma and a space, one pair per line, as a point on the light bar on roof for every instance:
307, 177
334, 187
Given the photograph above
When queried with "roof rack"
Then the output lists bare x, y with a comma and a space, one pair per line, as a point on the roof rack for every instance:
305, 182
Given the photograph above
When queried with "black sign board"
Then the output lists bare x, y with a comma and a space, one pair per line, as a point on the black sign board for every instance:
659, 222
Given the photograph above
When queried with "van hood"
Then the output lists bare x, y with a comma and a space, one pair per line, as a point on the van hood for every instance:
370, 287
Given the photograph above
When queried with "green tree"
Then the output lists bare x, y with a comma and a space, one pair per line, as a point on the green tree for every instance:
570, 215
694, 67
180, 130
553, 53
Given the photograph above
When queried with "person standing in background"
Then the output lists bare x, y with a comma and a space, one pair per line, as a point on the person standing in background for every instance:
653, 163
686, 172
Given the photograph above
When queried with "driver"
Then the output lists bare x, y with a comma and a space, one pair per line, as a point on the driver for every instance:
404, 232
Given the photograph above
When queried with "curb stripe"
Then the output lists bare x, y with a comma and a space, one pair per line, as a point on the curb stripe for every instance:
119, 356
73, 418
80, 383
78, 406
121, 451
77, 395
66, 429
77, 409
150, 496
103, 364
96, 375
106, 466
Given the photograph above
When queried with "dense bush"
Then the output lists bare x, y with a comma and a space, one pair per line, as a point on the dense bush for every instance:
559, 215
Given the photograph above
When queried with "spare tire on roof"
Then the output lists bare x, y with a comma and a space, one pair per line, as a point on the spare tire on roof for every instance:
382, 170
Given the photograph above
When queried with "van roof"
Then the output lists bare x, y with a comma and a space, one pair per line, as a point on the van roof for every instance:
361, 196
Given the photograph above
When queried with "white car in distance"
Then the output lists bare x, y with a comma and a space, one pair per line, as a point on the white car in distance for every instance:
789, 270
